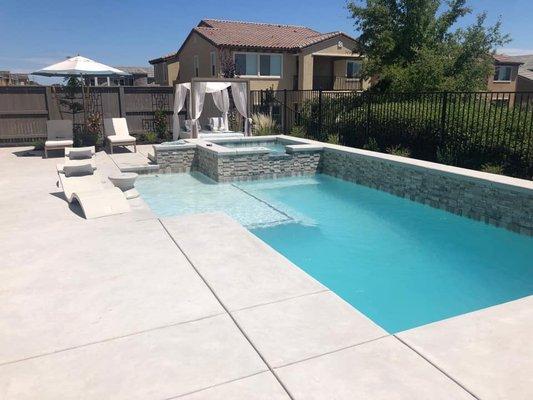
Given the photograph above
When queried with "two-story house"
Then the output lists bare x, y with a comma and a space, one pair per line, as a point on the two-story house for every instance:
269, 55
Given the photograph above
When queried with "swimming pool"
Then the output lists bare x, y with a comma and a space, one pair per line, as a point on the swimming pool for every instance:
401, 263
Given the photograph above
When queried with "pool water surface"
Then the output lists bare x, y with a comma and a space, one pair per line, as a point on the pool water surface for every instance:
401, 263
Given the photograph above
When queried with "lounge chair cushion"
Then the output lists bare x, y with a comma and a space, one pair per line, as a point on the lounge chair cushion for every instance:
121, 139
78, 169
58, 143
80, 153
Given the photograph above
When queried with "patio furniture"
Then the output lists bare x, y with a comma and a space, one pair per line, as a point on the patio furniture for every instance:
60, 135
125, 181
117, 133
80, 183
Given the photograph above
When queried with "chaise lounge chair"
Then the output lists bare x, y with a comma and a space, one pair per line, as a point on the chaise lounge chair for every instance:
60, 135
82, 184
78, 156
116, 130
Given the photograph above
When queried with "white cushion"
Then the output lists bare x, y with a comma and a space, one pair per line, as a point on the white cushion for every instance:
121, 139
77, 169
58, 143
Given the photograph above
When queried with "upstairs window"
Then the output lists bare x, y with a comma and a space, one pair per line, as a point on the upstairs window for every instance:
196, 66
353, 69
213, 64
256, 64
502, 73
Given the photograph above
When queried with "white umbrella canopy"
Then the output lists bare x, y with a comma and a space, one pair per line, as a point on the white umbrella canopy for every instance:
79, 66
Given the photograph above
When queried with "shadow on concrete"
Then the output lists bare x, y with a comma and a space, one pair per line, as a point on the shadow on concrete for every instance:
74, 206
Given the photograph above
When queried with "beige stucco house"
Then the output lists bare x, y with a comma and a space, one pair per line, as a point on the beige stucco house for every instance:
269, 55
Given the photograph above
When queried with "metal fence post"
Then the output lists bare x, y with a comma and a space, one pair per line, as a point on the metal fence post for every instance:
285, 130
443, 117
319, 112
368, 104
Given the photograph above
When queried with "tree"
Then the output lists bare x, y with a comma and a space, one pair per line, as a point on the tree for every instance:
227, 65
411, 45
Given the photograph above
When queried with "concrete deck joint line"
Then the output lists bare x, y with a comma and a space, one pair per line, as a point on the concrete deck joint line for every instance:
280, 300
110, 339
229, 313
438, 368
216, 385
331, 352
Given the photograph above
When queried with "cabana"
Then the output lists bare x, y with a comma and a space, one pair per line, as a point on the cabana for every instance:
218, 88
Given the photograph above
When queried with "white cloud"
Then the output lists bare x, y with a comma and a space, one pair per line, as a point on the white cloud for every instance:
511, 51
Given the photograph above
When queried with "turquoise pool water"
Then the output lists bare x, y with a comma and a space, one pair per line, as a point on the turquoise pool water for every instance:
401, 263
272, 145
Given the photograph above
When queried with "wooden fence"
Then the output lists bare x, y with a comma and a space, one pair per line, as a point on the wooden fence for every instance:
24, 110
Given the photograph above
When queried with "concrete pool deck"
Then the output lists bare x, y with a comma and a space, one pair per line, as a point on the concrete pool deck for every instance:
196, 307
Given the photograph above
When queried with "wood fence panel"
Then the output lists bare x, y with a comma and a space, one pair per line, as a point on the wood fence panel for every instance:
24, 110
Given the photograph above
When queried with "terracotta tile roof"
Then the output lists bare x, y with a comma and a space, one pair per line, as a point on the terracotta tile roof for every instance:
504, 59
259, 35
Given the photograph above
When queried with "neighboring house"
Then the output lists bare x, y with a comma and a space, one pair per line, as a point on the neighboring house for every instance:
8, 78
505, 74
139, 76
166, 69
270, 55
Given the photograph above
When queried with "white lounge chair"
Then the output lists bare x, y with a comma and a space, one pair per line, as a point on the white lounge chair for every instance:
87, 188
60, 135
116, 130
78, 156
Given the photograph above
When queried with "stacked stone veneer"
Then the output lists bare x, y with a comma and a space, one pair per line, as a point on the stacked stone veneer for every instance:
496, 203
226, 168
176, 159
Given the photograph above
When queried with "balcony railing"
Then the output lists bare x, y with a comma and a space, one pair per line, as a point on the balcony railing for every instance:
327, 82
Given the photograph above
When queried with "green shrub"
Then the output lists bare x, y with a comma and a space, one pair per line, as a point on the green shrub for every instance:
371, 145
149, 137
492, 169
160, 125
263, 125
298, 131
333, 139
38, 145
398, 150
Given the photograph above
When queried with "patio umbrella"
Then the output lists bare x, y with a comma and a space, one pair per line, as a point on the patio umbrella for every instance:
79, 66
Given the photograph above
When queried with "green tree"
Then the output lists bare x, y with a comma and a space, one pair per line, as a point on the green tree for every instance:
413, 45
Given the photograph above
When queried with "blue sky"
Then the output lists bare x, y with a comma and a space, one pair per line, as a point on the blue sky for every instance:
130, 32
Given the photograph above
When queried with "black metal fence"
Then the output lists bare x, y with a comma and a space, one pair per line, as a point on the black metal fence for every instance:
491, 131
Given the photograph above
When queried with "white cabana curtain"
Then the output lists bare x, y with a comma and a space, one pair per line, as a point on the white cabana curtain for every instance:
180, 94
219, 91
221, 100
238, 90
199, 97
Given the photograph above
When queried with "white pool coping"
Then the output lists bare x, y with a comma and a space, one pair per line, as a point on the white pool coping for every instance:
135, 307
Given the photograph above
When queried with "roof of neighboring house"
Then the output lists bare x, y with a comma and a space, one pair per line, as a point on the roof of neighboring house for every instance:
163, 58
149, 71
526, 73
505, 59
255, 35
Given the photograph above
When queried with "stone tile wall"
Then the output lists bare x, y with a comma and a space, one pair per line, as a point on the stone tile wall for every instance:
495, 203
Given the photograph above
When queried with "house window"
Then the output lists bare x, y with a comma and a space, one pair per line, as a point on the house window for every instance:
213, 64
353, 69
257, 64
502, 73
196, 64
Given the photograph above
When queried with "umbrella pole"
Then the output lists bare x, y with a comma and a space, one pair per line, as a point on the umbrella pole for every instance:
83, 101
